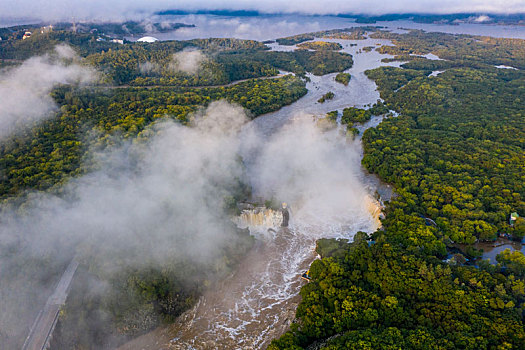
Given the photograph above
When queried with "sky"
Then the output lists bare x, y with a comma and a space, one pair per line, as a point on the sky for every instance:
136, 9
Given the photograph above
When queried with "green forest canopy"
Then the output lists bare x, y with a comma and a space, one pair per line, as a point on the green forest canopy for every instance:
455, 155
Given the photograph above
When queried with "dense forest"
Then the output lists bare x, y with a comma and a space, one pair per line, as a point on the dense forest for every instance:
465, 129
104, 29
456, 157
376, 296
299, 62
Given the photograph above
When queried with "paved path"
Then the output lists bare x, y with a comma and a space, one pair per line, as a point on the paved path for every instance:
45, 322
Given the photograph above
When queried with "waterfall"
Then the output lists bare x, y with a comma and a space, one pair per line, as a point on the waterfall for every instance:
375, 208
259, 219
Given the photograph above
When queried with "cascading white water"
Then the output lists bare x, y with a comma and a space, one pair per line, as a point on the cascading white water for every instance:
259, 219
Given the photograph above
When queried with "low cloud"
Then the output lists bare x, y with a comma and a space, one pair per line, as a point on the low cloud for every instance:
187, 61
156, 200
317, 172
162, 196
25, 89
168, 186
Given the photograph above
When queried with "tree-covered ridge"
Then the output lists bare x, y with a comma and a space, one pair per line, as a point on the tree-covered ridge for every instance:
456, 157
87, 43
299, 62
54, 150
147, 63
222, 61
103, 29
121, 29
155, 64
14, 48
137, 66
144, 66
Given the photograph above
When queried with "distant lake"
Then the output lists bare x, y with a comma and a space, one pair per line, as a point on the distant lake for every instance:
15, 22
268, 27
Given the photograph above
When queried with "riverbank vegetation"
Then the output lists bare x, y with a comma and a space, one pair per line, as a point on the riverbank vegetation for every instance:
326, 97
343, 78
355, 115
353, 33
460, 49
456, 158
320, 45
298, 62
295, 39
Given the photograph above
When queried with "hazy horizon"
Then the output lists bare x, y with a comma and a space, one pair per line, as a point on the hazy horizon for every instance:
118, 10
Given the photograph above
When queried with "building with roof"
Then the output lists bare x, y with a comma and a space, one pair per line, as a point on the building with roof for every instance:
147, 39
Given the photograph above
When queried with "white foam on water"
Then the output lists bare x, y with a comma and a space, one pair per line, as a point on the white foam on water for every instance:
435, 73
502, 66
